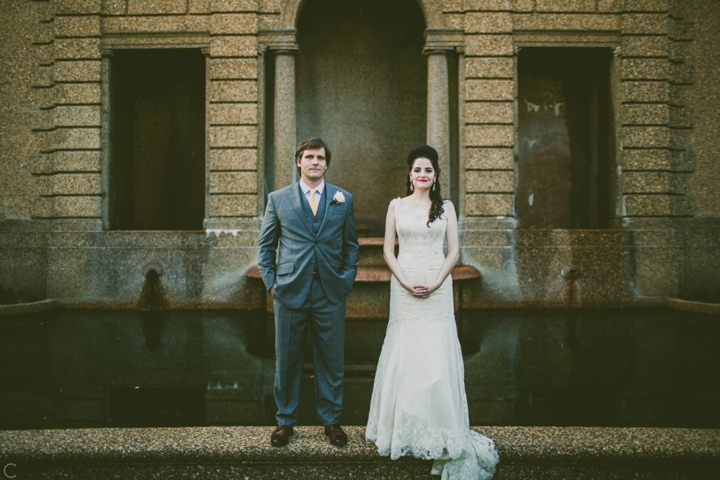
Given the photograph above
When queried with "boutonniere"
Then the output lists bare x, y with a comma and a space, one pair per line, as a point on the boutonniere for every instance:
338, 198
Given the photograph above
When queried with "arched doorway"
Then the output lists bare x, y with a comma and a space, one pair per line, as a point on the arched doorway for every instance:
361, 84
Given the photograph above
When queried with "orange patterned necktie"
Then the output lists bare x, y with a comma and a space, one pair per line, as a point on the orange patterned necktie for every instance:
313, 201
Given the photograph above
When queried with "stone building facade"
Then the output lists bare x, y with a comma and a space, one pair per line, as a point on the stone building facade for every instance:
374, 78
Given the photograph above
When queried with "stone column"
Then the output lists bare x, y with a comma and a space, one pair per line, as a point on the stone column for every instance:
284, 172
438, 111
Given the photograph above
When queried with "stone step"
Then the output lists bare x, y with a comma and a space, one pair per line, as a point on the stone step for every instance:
244, 452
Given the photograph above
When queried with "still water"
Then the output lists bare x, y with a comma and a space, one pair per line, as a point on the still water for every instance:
625, 367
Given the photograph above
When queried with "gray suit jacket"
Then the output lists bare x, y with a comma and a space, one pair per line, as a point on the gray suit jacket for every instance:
286, 232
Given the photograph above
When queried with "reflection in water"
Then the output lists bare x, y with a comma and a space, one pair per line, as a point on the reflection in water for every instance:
624, 367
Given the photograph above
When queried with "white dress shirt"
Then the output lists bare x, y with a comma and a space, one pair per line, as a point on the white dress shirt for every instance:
319, 190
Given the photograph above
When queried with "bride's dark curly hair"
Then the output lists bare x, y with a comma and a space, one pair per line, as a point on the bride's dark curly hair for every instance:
426, 151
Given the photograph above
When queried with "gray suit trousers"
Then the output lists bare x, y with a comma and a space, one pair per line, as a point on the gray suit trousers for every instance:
328, 341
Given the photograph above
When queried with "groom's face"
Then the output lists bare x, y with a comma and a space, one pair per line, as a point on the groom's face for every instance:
313, 165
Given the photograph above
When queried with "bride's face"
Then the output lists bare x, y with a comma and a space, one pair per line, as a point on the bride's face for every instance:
422, 174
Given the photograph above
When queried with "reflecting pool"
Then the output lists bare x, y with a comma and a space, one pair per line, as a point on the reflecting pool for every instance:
592, 367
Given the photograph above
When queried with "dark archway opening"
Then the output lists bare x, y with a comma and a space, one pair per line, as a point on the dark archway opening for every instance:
157, 140
566, 142
362, 85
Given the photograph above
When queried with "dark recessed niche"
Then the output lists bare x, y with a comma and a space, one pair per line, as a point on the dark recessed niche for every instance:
565, 138
157, 140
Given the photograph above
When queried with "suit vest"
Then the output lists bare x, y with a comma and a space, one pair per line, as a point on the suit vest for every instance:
314, 220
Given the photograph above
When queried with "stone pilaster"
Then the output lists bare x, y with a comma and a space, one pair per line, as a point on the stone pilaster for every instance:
439, 44
282, 45
488, 114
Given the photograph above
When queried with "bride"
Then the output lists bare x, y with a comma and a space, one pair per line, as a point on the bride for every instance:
418, 404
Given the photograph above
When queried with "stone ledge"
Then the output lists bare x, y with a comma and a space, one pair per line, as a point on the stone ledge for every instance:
219, 452
695, 307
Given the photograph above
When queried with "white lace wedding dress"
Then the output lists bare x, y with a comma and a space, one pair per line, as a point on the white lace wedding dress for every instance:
418, 405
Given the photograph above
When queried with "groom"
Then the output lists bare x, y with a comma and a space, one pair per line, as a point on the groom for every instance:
311, 227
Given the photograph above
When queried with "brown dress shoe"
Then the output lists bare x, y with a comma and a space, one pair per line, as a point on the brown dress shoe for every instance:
281, 435
336, 434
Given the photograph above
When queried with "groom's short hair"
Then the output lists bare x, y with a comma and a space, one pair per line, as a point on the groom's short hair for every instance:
312, 143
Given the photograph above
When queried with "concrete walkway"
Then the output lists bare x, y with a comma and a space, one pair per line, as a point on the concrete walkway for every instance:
245, 452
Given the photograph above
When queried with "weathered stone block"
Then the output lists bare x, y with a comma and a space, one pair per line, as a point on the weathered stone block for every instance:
58, 207
483, 181
680, 95
43, 76
683, 161
489, 112
522, 5
645, 68
646, 114
271, 6
233, 137
488, 22
44, 11
77, 48
455, 21
84, 26
680, 138
455, 6
489, 89
233, 159
683, 30
234, 5
681, 117
114, 7
69, 184
155, 24
682, 73
653, 182
488, 45
233, 206
77, 7
233, 182
233, 114
489, 135
645, 23
77, 116
77, 93
233, 91
647, 6
78, 71
233, 68
569, 21
268, 21
200, 6
489, 158
565, 5
76, 161
657, 205
76, 138
45, 54
43, 119
156, 7
680, 51
237, 46
645, 46
646, 92
43, 97
646, 137
234, 23
490, 67
486, 205
658, 159
488, 5
43, 33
